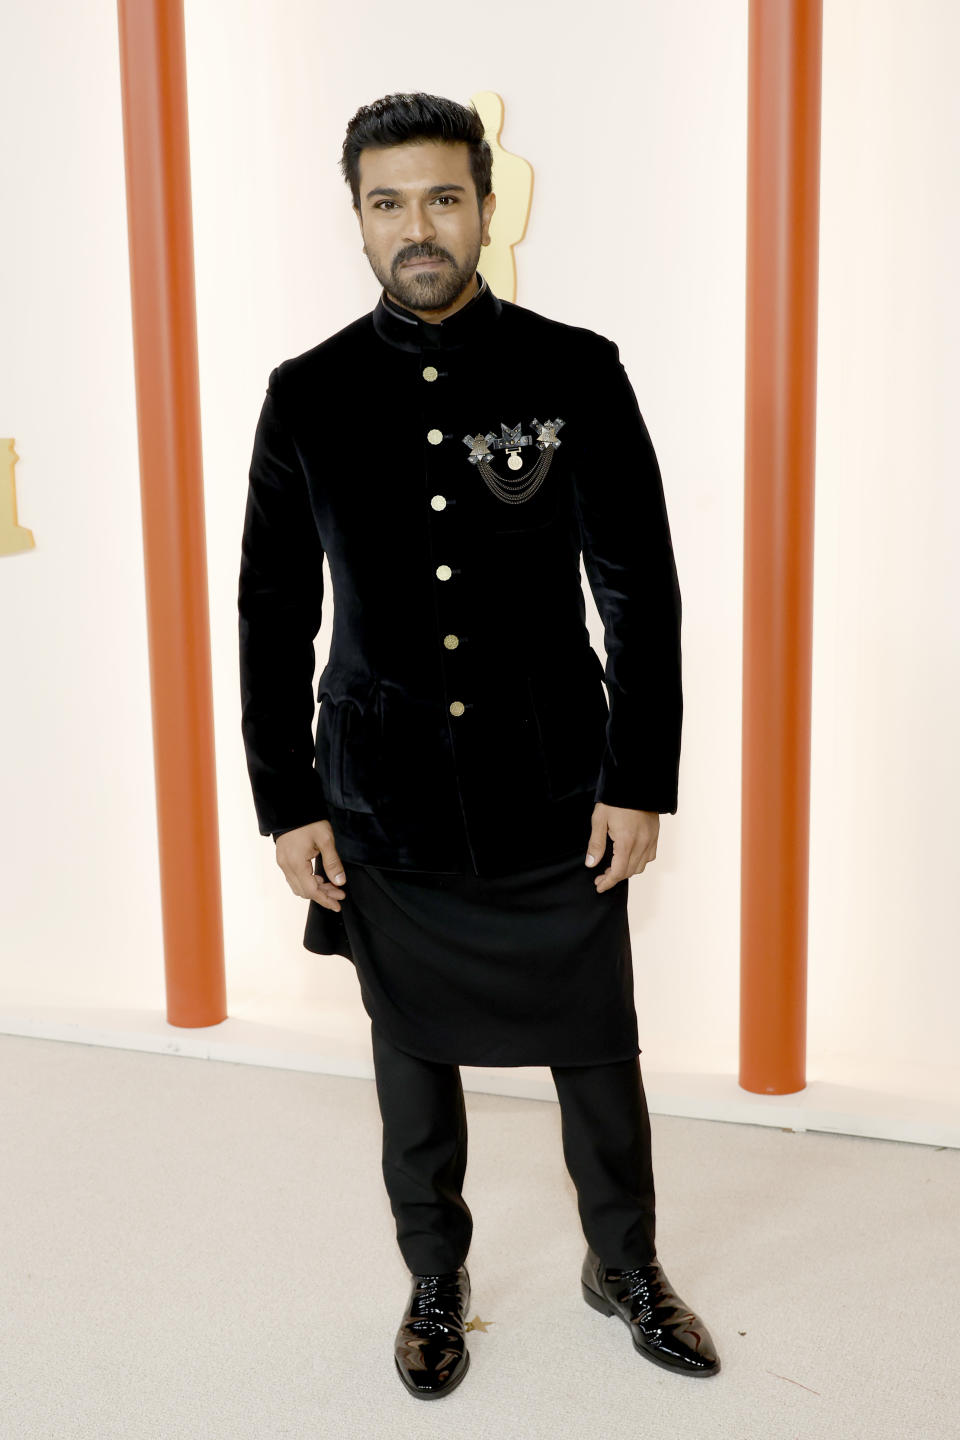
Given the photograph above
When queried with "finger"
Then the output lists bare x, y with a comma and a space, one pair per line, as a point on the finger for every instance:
319, 885
333, 865
323, 892
308, 885
616, 871
610, 877
597, 842
323, 887
327, 899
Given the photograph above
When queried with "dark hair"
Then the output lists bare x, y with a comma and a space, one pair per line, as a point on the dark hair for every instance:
397, 119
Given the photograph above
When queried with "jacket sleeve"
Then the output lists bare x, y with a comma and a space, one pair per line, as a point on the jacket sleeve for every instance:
629, 560
280, 602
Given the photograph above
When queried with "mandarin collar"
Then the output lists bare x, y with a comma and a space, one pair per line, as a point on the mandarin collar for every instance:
407, 331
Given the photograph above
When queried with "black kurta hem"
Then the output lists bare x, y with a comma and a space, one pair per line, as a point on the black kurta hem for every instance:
506, 1064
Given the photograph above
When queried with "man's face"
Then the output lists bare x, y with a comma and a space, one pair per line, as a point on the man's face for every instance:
418, 203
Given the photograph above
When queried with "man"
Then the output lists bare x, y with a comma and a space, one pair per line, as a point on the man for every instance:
465, 821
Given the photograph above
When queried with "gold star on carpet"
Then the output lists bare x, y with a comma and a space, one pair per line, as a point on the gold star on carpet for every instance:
477, 1324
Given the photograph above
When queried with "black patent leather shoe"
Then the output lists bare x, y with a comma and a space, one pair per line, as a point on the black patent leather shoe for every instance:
664, 1329
431, 1352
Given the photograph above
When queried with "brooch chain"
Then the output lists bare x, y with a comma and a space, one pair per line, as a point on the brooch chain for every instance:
514, 491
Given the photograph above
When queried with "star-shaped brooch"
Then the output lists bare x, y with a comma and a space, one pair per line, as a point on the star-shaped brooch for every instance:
479, 447
547, 433
477, 1324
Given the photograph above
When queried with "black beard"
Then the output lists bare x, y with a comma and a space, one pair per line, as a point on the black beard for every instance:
428, 289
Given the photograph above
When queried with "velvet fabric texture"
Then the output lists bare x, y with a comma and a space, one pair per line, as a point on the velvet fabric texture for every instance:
443, 592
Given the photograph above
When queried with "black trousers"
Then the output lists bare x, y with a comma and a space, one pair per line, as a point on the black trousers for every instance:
605, 1128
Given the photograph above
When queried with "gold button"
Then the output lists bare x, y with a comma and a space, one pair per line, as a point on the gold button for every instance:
434, 436
439, 502
451, 641
430, 372
444, 572
457, 707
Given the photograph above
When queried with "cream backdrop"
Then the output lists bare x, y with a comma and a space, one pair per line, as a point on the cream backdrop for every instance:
633, 118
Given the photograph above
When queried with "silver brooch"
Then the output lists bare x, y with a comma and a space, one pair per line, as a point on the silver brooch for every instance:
512, 489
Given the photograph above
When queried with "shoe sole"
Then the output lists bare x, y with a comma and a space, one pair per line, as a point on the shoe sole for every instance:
603, 1307
434, 1394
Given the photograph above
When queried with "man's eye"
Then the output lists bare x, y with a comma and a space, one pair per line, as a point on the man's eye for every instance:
451, 198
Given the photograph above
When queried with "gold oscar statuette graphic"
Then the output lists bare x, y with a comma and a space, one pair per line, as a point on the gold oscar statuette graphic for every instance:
14, 538
513, 186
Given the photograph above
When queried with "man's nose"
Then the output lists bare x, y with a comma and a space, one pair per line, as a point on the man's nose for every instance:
419, 225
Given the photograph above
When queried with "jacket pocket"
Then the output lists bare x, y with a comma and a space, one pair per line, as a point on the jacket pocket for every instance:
571, 711
347, 744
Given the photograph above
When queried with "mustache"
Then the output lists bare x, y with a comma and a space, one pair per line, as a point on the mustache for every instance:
421, 255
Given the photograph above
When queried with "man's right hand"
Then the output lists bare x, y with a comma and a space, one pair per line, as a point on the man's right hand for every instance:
295, 853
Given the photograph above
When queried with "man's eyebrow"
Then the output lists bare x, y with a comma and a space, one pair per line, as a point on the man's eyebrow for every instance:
388, 190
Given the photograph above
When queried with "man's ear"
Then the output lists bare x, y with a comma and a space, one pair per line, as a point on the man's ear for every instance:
356, 212
489, 205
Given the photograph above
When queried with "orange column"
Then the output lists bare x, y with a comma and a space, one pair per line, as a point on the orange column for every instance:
157, 164
783, 213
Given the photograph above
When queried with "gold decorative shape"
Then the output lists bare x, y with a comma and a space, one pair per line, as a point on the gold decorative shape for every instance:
513, 186
14, 538
477, 1324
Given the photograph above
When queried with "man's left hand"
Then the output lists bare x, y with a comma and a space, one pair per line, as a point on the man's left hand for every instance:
634, 834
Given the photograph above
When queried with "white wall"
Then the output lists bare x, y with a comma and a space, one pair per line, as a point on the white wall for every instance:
78, 844
885, 905
634, 119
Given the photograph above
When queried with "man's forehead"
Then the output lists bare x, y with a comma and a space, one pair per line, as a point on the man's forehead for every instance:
414, 165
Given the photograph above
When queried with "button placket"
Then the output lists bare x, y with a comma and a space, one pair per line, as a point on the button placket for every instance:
444, 572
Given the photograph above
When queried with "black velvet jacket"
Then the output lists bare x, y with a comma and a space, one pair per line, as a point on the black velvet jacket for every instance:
463, 724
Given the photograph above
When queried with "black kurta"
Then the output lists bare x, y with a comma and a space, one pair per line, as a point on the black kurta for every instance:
533, 968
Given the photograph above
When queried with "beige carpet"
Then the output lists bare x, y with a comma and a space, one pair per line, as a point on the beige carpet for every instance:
205, 1250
